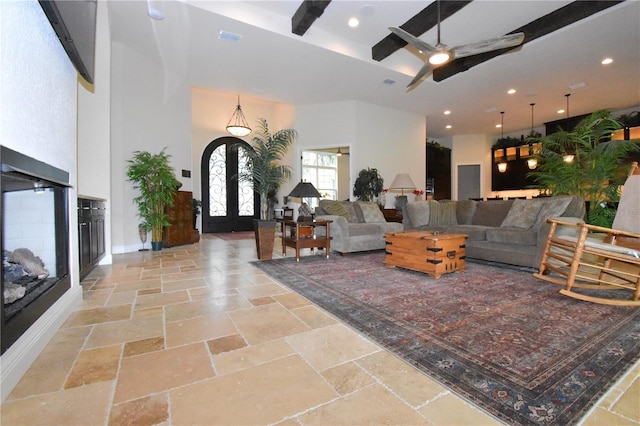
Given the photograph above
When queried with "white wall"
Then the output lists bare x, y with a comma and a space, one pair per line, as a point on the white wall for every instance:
150, 110
389, 140
38, 95
94, 126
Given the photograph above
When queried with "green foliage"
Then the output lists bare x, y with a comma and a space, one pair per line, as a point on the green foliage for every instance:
597, 170
264, 169
152, 175
368, 184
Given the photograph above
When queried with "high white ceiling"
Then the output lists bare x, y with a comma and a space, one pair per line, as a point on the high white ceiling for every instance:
332, 62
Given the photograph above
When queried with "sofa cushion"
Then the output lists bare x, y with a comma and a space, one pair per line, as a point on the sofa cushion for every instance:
464, 211
371, 212
522, 214
349, 206
359, 229
443, 213
491, 213
338, 209
473, 232
418, 213
516, 236
552, 207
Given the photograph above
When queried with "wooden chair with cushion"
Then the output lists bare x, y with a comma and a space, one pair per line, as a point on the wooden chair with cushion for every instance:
594, 260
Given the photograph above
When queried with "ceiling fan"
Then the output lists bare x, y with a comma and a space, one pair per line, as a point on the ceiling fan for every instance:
440, 54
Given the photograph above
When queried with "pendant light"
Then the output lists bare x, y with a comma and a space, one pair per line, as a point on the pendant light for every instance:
237, 124
569, 155
532, 162
502, 165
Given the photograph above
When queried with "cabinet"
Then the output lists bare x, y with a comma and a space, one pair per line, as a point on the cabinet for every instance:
181, 219
438, 172
91, 214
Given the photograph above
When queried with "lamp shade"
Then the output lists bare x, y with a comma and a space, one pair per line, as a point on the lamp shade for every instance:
402, 181
305, 190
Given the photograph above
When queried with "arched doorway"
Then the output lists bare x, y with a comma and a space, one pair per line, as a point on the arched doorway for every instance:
228, 205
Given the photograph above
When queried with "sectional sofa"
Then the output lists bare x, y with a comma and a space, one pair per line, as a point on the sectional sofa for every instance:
505, 231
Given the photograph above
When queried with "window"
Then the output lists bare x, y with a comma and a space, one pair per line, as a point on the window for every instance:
321, 169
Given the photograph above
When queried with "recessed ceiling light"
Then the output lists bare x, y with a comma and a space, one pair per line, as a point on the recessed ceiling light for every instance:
447, 112
354, 22
607, 61
498, 125
448, 126
511, 91
561, 111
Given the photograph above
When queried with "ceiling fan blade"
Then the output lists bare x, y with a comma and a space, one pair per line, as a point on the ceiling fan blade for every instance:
413, 40
509, 40
424, 72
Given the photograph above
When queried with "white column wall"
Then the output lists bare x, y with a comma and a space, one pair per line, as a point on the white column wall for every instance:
150, 110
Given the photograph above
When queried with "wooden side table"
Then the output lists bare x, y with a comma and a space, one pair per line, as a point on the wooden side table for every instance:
392, 215
302, 234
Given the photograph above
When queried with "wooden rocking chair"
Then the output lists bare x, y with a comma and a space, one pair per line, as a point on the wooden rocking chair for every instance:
596, 258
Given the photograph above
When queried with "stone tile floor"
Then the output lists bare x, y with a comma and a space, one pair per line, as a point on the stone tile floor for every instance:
196, 335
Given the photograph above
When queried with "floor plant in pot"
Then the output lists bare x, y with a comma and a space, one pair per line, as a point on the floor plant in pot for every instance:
587, 163
152, 175
266, 172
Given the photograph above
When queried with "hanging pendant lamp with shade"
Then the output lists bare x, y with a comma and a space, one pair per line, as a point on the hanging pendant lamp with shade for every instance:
237, 125
502, 165
570, 154
532, 162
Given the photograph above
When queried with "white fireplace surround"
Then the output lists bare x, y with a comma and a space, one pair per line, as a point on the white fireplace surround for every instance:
38, 87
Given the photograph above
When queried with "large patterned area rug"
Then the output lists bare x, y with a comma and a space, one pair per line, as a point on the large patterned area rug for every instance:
497, 336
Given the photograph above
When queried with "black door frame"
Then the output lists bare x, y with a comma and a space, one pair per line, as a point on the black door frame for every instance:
232, 222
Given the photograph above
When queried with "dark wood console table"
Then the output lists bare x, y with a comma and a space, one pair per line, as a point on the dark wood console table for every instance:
301, 234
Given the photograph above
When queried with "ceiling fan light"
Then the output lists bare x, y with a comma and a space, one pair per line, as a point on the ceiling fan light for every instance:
439, 58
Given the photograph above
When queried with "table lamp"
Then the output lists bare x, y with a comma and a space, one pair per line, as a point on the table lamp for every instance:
304, 190
402, 181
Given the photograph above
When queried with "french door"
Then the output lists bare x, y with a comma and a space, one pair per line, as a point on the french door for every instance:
228, 204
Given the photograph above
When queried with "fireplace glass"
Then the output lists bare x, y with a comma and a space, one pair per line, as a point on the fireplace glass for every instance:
35, 241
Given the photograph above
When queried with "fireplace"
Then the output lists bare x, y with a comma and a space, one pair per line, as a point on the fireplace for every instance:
35, 241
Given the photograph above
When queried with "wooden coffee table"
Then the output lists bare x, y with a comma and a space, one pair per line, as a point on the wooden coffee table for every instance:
301, 234
423, 251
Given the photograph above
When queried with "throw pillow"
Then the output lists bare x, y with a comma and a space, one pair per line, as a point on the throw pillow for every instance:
522, 214
552, 207
371, 212
446, 214
418, 213
336, 208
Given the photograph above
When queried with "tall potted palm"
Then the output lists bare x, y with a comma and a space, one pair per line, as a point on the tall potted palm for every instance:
152, 175
596, 169
266, 172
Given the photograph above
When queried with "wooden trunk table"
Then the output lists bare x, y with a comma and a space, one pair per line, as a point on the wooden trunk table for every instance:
423, 251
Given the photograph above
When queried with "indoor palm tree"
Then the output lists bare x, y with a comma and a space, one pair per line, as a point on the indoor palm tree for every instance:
264, 169
596, 171
152, 175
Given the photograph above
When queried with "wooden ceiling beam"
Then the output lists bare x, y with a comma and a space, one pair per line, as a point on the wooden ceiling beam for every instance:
422, 22
547, 24
307, 13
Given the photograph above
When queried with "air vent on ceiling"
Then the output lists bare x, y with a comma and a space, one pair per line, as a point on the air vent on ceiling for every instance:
577, 86
388, 81
230, 37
